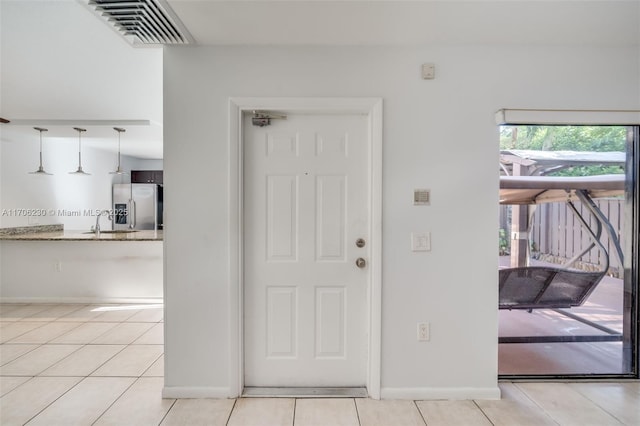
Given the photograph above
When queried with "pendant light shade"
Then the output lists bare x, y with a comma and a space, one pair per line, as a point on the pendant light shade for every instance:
119, 170
79, 171
40, 170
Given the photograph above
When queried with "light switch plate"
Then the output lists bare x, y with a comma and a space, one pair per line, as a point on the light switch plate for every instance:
428, 71
421, 241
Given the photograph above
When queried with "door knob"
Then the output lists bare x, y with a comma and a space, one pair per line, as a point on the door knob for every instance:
361, 263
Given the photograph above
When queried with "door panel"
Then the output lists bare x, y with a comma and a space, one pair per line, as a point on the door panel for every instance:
306, 202
282, 319
330, 217
330, 322
282, 218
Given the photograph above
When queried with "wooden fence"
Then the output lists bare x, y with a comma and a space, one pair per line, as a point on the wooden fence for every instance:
557, 234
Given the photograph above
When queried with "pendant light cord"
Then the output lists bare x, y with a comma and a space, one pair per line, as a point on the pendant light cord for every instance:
40, 167
119, 130
119, 170
41, 130
80, 171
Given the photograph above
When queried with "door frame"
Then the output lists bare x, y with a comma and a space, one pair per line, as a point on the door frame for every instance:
372, 108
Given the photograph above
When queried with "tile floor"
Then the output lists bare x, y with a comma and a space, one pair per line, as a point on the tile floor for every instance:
103, 365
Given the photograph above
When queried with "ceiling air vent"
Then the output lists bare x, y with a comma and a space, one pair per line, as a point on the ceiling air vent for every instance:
143, 21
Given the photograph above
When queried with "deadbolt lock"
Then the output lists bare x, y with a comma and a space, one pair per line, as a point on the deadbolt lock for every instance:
360, 242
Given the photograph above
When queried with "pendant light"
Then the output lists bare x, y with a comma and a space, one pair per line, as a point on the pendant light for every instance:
119, 170
79, 171
40, 170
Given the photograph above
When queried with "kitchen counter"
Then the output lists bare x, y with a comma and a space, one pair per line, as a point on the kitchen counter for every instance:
45, 263
56, 233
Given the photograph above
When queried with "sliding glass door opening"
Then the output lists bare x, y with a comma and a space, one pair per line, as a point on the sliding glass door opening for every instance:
568, 240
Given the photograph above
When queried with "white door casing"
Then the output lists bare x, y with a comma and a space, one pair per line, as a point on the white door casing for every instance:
306, 202
371, 109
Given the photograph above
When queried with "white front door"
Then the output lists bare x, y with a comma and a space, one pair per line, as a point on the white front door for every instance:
306, 203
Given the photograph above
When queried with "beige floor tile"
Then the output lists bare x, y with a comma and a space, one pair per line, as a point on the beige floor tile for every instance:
152, 313
23, 311
38, 360
262, 411
132, 361
155, 336
86, 313
47, 332
83, 404
85, 333
141, 404
326, 411
514, 409
5, 308
115, 313
123, 334
199, 412
10, 352
27, 400
7, 384
388, 412
632, 387
567, 406
452, 413
84, 361
54, 312
16, 329
156, 369
622, 400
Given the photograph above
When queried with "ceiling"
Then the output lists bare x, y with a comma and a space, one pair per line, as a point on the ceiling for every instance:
414, 22
60, 61
61, 64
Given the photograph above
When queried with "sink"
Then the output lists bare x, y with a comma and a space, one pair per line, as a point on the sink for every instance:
117, 231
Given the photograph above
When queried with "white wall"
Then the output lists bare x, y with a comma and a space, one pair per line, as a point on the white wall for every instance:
144, 164
438, 134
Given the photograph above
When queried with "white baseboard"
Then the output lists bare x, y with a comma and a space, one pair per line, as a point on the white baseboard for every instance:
440, 393
195, 392
89, 300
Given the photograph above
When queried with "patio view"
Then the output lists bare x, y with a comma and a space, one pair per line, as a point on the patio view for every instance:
561, 245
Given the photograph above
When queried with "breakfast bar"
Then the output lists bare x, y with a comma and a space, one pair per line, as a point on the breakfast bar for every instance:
45, 263
58, 233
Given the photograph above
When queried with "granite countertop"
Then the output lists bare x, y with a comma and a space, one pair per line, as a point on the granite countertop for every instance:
57, 233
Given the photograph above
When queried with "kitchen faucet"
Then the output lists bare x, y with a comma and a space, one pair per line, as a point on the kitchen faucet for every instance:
98, 214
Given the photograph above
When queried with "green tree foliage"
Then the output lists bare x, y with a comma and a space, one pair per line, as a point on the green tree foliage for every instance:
564, 138
567, 138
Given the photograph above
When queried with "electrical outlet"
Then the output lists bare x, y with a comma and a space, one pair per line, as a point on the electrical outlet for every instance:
57, 266
423, 332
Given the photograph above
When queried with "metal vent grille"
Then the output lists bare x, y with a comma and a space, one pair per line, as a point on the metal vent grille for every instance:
143, 21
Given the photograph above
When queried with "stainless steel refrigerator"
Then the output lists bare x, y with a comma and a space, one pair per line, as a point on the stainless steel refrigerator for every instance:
137, 206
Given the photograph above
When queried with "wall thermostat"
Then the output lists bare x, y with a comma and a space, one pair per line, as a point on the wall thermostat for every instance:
421, 197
